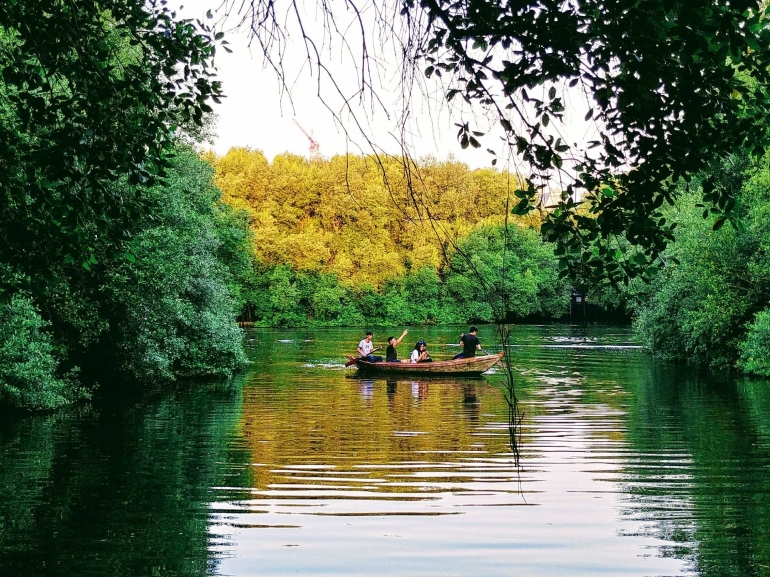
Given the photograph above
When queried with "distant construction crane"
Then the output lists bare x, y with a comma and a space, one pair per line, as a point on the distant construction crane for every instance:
315, 148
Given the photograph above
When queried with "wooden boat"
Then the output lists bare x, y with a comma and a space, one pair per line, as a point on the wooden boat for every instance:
473, 366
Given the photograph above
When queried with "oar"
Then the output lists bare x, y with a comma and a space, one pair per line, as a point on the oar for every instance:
353, 360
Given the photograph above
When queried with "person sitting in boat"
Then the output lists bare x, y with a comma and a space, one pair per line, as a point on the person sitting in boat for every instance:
420, 353
471, 344
366, 348
391, 356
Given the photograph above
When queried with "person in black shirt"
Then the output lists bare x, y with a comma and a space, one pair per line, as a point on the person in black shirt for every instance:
390, 353
471, 343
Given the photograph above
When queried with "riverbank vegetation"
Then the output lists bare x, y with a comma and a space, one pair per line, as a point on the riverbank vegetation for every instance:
710, 302
165, 311
117, 257
324, 258
120, 255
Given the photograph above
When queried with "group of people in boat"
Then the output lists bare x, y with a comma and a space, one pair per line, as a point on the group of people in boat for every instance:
470, 342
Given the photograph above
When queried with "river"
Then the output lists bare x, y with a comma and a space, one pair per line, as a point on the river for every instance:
297, 467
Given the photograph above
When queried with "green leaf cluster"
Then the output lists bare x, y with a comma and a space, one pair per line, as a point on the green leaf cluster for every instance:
172, 312
708, 303
164, 311
116, 258
29, 360
674, 87
91, 93
491, 275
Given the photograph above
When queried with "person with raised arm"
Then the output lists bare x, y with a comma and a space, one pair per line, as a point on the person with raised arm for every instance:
391, 356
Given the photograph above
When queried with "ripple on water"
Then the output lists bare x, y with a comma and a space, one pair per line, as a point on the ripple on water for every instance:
431, 463
627, 467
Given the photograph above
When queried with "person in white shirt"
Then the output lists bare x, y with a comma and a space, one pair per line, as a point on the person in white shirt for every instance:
420, 353
366, 347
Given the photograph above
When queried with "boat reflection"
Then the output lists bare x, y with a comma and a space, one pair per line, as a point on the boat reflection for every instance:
471, 403
368, 388
391, 388
419, 389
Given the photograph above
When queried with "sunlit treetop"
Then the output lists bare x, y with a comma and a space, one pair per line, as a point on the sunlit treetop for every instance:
342, 216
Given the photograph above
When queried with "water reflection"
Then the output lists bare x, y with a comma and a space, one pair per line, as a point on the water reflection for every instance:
367, 390
628, 468
391, 388
698, 476
421, 471
115, 489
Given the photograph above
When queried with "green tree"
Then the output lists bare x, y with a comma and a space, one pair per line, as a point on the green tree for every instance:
168, 311
754, 349
172, 312
497, 274
91, 94
702, 303
29, 360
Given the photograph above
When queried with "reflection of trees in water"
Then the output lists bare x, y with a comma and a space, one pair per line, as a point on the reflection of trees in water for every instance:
108, 490
698, 477
333, 424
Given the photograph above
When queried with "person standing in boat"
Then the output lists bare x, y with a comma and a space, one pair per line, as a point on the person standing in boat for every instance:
420, 353
391, 356
471, 344
366, 347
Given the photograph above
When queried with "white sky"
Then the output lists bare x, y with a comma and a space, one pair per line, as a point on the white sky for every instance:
254, 114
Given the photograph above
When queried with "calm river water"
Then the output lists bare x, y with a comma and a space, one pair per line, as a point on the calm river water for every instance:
629, 468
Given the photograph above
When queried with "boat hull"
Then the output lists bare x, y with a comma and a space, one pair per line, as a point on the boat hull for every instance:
473, 366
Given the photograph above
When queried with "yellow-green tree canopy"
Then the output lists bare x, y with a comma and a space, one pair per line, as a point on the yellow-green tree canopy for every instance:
356, 216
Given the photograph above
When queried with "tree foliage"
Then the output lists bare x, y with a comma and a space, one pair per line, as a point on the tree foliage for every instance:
92, 93
172, 313
166, 312
458, 292
116, 257
671, 88
341, 245
498, 274
709, 303
29, 360
341, 217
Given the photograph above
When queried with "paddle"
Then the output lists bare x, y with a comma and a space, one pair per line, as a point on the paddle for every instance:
353, 360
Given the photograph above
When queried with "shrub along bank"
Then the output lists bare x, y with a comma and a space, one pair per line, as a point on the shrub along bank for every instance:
710, 302
167, 310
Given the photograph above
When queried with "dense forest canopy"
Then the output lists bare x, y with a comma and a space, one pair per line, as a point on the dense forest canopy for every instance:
338, 243
116, 256
710, 303
92, 94
340, 216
